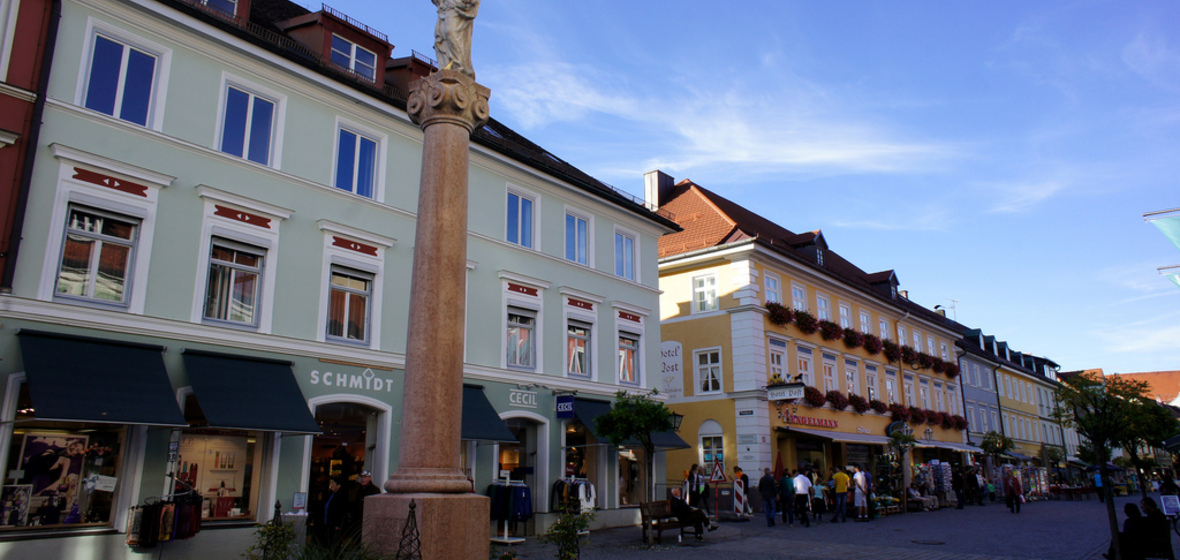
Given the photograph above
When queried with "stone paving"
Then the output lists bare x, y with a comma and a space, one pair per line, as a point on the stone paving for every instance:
1043, 530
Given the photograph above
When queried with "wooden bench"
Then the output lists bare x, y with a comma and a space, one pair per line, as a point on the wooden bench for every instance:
657, 517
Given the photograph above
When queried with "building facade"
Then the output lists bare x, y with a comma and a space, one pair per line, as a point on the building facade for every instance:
748, 305
212, 294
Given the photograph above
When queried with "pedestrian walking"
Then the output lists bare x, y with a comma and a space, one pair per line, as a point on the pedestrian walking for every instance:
818, 503
786, 494
991, 491
1014, 493
861, 498
769, 492
840, 496
980, 486
957, 486
802, 497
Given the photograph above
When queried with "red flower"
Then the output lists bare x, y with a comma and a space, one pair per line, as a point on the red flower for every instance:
891, 349
918, 415
859, 403
960, 422
899, 412
909, 355
947, 421
878, 406
778, 313
925, 361
830, 330
872, 344
853, 338
806, 322
813, 397
838, 400
952, 370
939, 366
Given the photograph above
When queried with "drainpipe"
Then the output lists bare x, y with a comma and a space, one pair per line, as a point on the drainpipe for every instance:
26, 179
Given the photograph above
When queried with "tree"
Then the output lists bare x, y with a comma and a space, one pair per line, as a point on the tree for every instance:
995, 444
635, 417
902, 441
1149, 425
1100, 409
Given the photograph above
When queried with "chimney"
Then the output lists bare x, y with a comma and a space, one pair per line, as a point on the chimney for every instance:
905, 294
656, 186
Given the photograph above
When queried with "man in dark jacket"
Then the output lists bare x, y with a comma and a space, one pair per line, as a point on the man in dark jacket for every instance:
685, 512
363, 488
335, 513
1157, 531
769, 492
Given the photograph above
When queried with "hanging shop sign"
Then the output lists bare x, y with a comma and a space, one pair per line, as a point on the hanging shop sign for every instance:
522, 399
565, 406
366, 380
808, 421
671, 375
788, 392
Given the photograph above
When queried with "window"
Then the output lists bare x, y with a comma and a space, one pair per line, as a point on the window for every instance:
917, 341
866, 323
891, 386
774, 288
851, 383
938, 398
951, 400
520, 220
900, 334
822, 307
799, 297
234, 286
247, 125
883, 328
845, 315
348, 305
924, 393
212, 460
975, 369
121, 80
709, 371
987, 379
829, 366
96, 259
48, 468
625, 255
577, 238
577, 342
778, 353
909, 391
628, 358
351, 56
930, 345
356, 163
227, 6
871, 382
713, 451
521, 350
995, 423
804, 360
971, 417
704, 293
943, 350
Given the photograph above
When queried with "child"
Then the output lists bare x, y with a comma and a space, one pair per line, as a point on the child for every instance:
991, 491
817, 501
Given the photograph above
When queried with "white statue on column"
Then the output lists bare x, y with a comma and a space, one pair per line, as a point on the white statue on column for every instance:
452, 34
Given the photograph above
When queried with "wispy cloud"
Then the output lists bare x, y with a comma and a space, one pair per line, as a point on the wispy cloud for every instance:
933, 217
1151, 57
1023, 196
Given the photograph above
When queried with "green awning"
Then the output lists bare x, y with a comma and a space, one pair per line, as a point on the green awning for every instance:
480, 420
1168, 222
84, 379
248, 393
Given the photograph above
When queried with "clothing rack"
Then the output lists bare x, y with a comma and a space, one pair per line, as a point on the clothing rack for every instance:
583, 532
505, 538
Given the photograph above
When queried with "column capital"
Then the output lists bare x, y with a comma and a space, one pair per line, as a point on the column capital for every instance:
448, 96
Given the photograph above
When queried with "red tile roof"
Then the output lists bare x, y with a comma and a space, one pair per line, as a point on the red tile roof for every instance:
1161, 385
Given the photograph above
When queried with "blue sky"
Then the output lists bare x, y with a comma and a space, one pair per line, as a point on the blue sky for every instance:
1001, 154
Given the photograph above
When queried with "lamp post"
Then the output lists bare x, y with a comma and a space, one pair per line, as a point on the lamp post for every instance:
676, 420
929, 435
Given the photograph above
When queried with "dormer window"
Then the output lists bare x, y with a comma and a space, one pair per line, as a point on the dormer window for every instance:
819, 256
347, 54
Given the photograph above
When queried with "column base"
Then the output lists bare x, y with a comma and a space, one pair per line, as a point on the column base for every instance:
426, 480
450, 526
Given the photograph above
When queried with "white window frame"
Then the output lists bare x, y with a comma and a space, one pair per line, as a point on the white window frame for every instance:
521, 192
851, 377
872, 390
699, 371
845, 310
99, 240
9, 11
798, 297
924, 392
382, 140
346, 257
891, 388
635, 252
943, 350
773, 284
829, 365
883, 325
638, 362
159, 94
823, 306
952, 399
277, 126
938, 398
917, 341
805, 356
264, 238
866, 322
353, 61
908, 385
715, 299
577, 214
528, 302
588, 317
73, 191
971, 418
901, 334
635, 329
777, 358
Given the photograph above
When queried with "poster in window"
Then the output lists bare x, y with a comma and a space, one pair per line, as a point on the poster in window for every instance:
14, 504
52, 465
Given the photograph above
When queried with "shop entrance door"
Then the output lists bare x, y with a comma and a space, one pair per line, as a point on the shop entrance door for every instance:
345, 447
518, 461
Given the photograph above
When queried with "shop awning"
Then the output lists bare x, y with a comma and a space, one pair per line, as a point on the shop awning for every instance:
480, 420
840, 437
247, 393
956, 446
83, 379
1018, 456
588, 411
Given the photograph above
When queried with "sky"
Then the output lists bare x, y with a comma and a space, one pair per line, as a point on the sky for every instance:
999, 156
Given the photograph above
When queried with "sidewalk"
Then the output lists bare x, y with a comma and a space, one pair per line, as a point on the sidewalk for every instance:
1044, 530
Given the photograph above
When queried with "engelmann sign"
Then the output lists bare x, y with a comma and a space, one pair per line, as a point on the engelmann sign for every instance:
366, 380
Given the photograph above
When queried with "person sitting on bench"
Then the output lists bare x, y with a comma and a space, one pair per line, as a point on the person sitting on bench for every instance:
689, 514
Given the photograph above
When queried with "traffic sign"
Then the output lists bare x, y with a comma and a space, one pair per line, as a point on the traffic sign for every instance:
718, 474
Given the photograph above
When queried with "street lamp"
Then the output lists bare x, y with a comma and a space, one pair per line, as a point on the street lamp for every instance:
929, 434
676, 420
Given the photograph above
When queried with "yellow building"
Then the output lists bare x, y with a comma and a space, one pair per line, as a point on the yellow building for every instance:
722, 345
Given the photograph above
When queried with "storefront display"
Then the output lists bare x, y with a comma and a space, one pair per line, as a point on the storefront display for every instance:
219, 465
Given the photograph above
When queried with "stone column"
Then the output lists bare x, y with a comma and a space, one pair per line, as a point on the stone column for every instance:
452, 522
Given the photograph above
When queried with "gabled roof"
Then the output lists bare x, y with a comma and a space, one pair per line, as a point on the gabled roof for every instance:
1161, 385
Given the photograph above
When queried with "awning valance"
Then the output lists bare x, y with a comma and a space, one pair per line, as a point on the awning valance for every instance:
840, 437
248, 393
84, 379
480, 420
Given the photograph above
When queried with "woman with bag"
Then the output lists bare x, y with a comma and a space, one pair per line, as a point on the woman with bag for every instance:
1014, 492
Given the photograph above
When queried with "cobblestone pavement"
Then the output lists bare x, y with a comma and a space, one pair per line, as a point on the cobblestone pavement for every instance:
1043, 530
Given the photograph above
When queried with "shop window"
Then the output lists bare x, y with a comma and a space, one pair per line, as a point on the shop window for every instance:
348, 305
712, 450
521, 326
628, 359
632, 478
577, 339
60, 474
234, 287
581, 452
97, 256
220, 465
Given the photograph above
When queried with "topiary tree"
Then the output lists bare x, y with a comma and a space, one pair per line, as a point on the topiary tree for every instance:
635, 417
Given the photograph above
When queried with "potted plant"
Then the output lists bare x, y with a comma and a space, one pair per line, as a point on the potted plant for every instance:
830, 330
899, 412
947, 421
814, 397
909, 355
939, 366
806, 322
891, 349
960, 423
933, 417
872, 344
839, 400
925, 361
952, 370
859, 403
878, 406
853, 338
918, 415
778, 313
